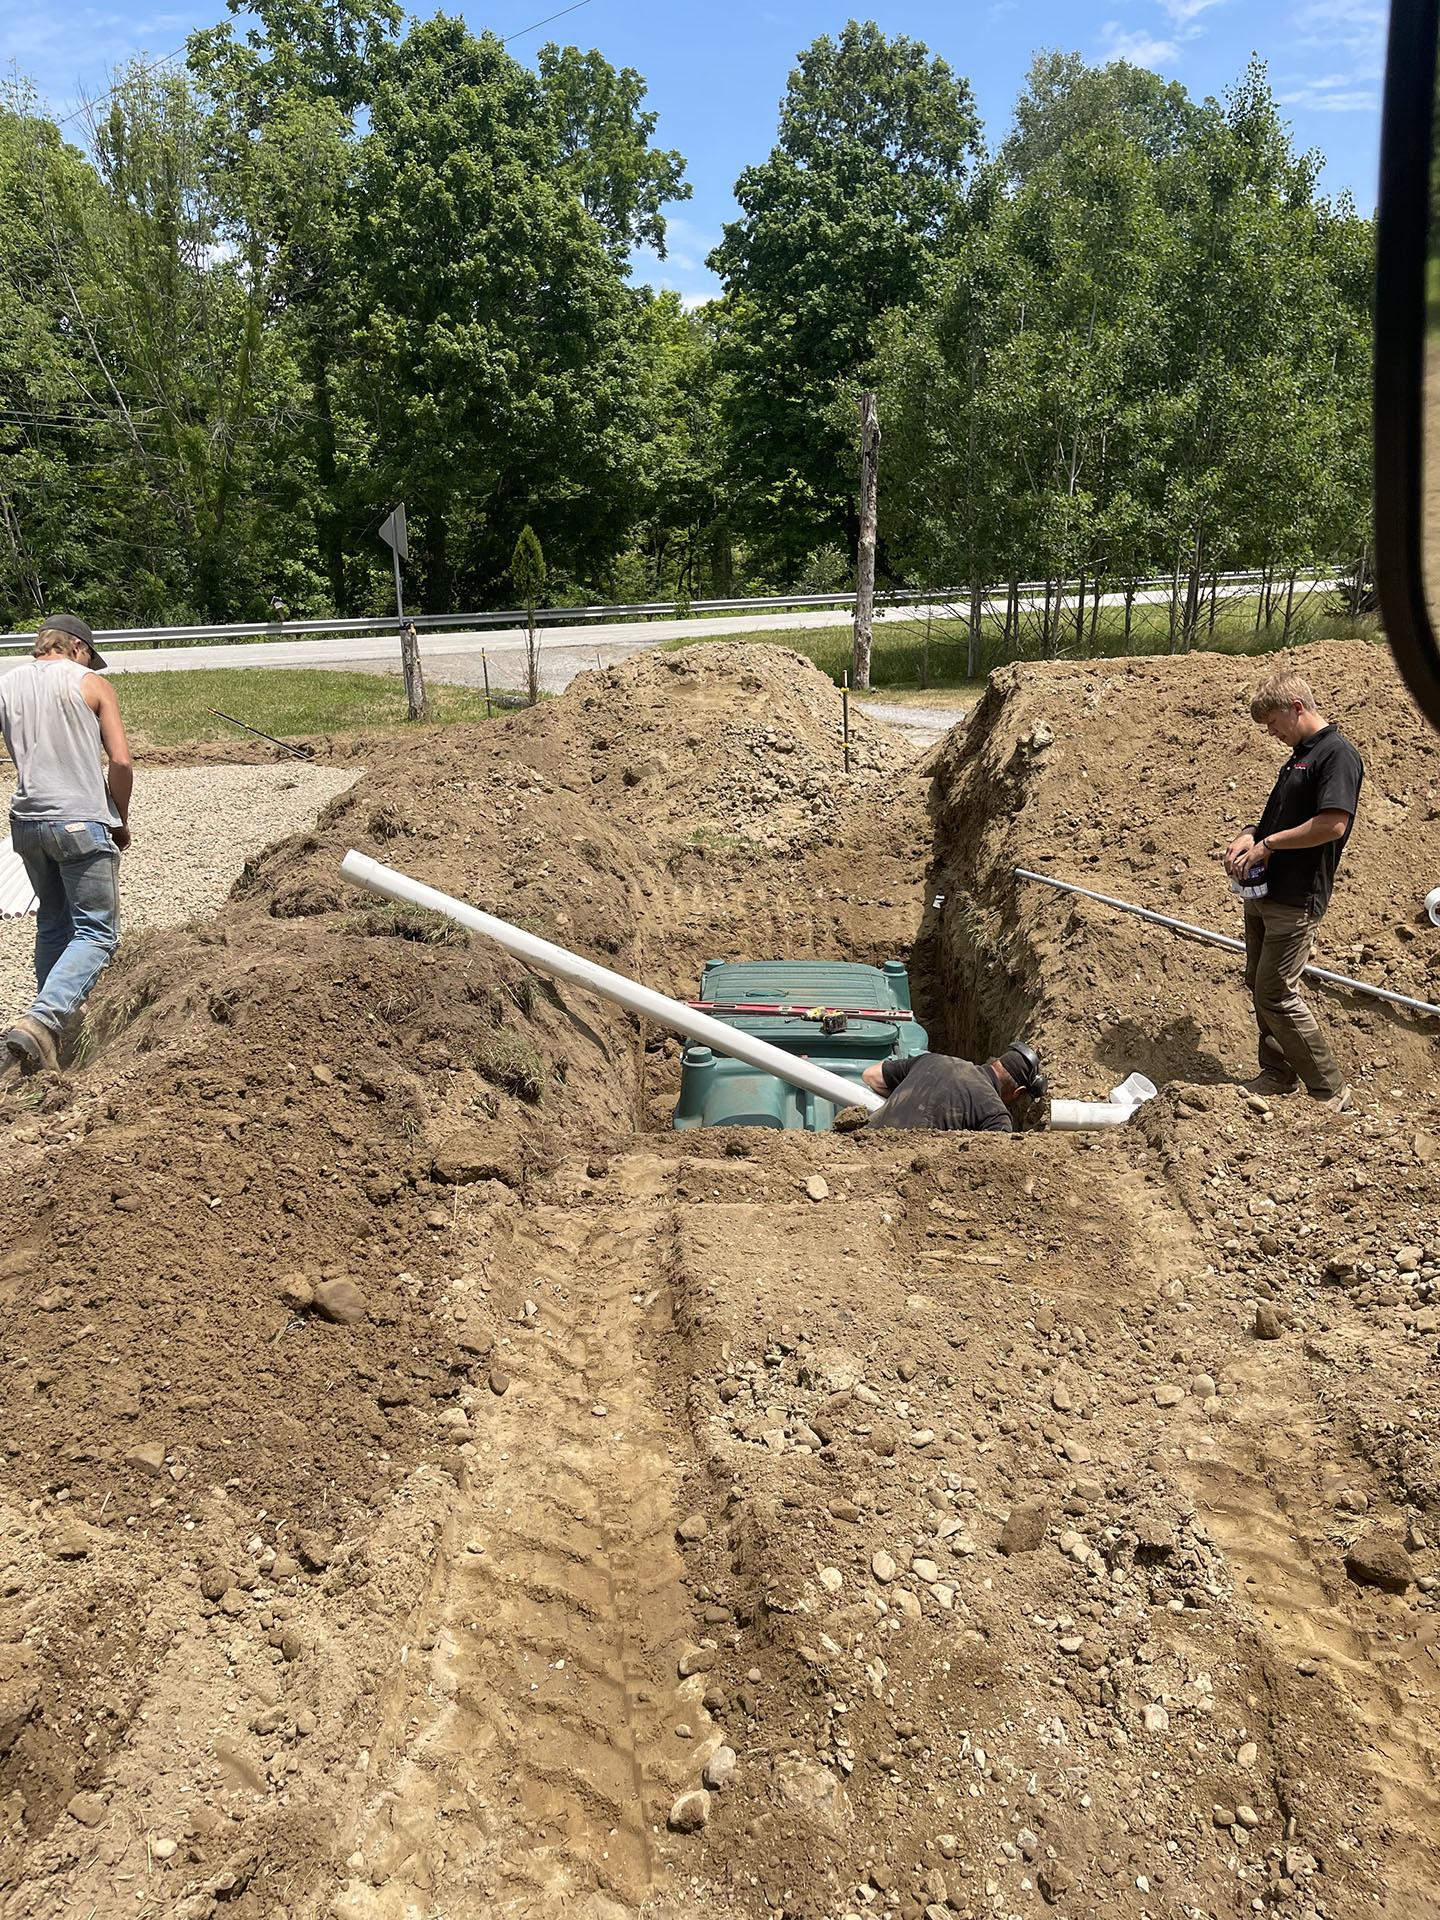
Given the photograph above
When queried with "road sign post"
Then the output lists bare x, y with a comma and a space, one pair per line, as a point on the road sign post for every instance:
395, 535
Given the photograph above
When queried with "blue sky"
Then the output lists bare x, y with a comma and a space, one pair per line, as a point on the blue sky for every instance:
716, 72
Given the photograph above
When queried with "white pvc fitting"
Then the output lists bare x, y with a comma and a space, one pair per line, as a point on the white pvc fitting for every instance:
1432, 906
1134, 1092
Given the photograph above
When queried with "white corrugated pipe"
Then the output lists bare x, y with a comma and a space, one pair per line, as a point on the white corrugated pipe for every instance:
1073, 1116
659, 1007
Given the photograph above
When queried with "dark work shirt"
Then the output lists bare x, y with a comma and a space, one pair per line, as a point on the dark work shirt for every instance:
936, 1090
1323, 772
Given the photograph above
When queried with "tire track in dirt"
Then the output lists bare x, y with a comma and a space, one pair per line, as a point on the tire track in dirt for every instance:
530, 1767
1255, 1478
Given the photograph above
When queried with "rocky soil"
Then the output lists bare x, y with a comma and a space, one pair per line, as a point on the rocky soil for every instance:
431, 1488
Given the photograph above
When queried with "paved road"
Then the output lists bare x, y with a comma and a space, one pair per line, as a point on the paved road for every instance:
455, 657
564, 651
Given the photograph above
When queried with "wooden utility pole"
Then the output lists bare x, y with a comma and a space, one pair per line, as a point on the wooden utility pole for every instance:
865, 568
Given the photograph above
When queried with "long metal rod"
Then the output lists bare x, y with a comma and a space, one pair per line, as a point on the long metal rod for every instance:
573, 967
300, 753
1222, 939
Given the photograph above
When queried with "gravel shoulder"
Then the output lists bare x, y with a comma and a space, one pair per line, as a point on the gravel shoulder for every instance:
194, 827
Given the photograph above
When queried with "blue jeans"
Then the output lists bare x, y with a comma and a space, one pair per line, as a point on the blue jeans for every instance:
75, 871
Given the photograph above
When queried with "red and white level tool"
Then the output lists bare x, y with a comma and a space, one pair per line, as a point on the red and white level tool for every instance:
799, 1013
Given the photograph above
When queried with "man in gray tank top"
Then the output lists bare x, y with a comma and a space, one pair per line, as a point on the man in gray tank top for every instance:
67, 823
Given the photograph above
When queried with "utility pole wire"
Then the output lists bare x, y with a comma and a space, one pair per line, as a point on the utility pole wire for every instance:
154, 66
520, 35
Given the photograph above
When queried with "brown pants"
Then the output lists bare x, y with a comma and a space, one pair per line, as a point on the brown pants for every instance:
1277, 945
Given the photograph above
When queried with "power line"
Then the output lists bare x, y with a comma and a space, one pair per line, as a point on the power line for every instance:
154, 66
535, 28
90, 105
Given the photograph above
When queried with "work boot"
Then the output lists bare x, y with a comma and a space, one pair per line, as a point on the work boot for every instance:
1272, 1080
1340, 1102
32, 1044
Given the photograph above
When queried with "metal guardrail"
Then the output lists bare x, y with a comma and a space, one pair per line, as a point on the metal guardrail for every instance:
468, 622
955, 597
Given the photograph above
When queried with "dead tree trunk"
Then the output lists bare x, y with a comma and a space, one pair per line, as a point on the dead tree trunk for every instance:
865, 567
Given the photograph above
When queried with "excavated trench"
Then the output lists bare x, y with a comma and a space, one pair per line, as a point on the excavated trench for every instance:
425, 1479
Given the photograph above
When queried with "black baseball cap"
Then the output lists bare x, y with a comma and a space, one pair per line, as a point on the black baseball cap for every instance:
72, 624
1022, 1063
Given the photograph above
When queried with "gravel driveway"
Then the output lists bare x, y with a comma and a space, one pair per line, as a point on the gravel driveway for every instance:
194, 829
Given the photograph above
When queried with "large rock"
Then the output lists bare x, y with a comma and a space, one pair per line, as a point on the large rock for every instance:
814, 1794
147, 1457
479, 1153
1377, 1560
1025, 1529
340, 1301
690, 1812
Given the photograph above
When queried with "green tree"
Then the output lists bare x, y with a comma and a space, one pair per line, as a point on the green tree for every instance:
501, 361
863, 191
282, 102
1063, 100
604, 143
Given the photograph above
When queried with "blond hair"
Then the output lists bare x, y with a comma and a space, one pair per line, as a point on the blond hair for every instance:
1281, 691
55, 640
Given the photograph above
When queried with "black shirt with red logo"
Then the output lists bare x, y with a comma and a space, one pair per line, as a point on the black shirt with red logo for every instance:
1323, 772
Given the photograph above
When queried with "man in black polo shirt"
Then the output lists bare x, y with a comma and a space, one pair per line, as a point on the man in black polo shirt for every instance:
938, 1091
1298, 842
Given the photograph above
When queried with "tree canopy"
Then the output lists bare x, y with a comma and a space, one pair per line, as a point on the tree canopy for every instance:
345, 257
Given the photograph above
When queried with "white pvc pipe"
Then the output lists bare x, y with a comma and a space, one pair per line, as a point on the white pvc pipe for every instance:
659, 1007
1073, 1116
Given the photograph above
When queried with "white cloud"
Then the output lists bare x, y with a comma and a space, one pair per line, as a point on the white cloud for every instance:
1182, 12
1352, 29
1335, 93
683, 269
1143, 48
1140, 49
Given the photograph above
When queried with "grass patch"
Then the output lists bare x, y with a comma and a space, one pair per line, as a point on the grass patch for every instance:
171, 709
403, 922
899, 656
508, 1060
710, 840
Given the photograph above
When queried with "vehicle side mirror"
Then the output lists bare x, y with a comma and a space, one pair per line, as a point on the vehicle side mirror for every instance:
1407, 355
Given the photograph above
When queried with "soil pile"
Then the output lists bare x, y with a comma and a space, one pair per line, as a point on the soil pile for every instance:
1130, 778
428, 1487
245, 1328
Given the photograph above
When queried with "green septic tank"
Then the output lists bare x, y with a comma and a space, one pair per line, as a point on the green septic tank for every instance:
716, 1091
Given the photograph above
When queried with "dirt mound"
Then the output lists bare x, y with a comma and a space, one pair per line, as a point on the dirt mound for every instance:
427, 1486
1130, 778
249, 1322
